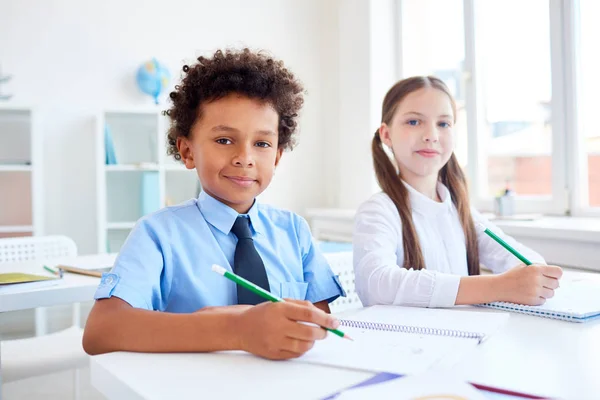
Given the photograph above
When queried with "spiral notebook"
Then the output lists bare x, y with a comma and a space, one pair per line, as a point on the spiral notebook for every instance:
574, 301
405, 339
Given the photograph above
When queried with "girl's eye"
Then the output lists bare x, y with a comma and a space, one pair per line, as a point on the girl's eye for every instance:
444, 125
413, 122
263, 144
223, 141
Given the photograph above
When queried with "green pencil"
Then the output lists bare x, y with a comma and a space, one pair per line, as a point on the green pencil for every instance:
262, 292
504, 244
47, 268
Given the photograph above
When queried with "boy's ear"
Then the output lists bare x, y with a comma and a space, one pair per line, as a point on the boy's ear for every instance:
384, 134
278, 156
185, 151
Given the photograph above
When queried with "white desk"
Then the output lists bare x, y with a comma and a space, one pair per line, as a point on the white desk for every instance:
530, 354
72, 288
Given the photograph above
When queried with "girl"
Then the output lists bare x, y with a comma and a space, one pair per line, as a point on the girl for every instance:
416, 242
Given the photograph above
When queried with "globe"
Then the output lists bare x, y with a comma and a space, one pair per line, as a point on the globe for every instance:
152, 78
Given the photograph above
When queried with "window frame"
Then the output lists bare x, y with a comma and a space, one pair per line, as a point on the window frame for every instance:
578, 173
558, 202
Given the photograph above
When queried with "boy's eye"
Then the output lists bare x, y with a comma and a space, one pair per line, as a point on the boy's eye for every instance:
444, 125
263, 144
413, 122
223, 141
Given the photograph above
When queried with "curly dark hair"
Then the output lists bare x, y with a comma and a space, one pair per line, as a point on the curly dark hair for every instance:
252, 74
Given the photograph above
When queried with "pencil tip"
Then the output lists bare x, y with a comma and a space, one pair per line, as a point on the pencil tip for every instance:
348, 337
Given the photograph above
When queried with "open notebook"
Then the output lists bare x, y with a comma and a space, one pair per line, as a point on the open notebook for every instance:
17, 281
404, 339
575, 301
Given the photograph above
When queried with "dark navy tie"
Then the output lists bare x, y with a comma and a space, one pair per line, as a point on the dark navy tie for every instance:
247, 262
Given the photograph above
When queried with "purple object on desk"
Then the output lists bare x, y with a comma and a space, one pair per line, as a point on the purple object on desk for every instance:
490, 392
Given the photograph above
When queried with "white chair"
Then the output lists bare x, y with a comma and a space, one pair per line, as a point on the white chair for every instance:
341, 265
48, 353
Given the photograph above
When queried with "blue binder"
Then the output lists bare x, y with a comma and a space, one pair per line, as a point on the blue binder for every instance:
111, 157
149, 196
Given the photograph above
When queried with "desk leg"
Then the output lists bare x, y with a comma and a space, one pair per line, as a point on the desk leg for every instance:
41, 321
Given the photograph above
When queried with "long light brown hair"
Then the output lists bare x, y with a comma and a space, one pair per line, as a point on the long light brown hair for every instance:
451, 175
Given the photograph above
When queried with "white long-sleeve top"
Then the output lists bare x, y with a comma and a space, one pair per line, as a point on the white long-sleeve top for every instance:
379, 253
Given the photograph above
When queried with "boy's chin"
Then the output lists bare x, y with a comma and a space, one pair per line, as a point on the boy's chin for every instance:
239, 200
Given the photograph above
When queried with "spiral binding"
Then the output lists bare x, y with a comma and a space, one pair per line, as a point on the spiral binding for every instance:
532, 310
377, 326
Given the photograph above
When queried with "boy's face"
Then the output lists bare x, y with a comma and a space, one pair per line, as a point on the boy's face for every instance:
233, 146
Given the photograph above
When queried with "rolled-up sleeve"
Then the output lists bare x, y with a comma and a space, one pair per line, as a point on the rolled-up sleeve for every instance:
137, 276
378, 251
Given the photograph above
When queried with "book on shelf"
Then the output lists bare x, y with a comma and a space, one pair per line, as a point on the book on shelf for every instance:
111, 157
149, 193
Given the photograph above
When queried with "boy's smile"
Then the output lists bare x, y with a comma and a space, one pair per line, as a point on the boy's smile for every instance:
243, 181
234, 148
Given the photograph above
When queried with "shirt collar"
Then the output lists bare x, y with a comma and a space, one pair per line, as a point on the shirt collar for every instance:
426, 206
222, 216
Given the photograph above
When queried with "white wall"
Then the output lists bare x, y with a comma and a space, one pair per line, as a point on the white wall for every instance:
73, 57
367, 46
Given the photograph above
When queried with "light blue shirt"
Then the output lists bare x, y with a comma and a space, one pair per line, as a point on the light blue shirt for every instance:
165, 263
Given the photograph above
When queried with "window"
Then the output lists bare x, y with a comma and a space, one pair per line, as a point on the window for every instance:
515, 80
589, 88
525, 75
423, 53
505, 61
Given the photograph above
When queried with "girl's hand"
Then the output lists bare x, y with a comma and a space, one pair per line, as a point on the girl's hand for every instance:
531, 285
276, 330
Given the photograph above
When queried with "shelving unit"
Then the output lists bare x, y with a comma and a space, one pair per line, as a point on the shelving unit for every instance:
143, 180
21, 190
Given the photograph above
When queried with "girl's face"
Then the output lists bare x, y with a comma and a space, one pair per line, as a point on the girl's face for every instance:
421, 133
233, 146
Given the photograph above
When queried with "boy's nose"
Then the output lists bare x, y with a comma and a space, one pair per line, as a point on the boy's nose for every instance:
244, 158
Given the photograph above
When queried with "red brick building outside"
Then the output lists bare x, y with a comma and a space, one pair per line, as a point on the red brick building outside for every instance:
532, 175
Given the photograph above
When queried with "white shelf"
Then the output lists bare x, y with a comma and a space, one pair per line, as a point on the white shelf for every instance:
174, 167
131, 167
16, 228
144, 179
120, 225
21, 171
15, 168
149, 110
14, 107
126, 190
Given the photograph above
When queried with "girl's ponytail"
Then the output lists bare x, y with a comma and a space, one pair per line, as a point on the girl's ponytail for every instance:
391, 184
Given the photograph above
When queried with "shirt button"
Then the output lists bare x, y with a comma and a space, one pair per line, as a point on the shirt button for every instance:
109, 279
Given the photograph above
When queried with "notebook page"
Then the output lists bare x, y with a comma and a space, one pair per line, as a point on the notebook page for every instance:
455, 319
575, 298
380, 351
399, 352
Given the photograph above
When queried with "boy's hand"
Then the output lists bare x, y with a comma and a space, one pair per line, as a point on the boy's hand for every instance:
530, 285
274, 331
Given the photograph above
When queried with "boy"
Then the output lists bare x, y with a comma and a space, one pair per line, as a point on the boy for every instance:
232, 117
